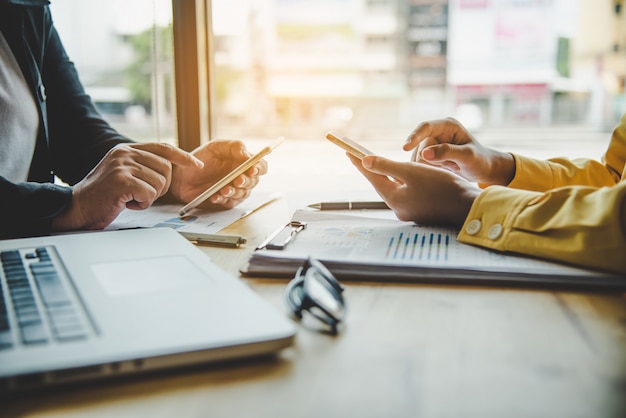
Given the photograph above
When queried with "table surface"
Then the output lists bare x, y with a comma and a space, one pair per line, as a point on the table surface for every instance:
406, 350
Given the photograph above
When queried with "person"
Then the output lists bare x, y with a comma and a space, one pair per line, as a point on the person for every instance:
50, 127
571, 211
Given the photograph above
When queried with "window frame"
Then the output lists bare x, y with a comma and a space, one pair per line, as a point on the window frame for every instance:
191, 23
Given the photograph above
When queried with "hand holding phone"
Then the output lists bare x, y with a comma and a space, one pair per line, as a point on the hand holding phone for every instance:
349, 145
239, 170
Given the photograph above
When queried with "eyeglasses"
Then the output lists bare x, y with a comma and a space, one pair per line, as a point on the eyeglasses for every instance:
315, 290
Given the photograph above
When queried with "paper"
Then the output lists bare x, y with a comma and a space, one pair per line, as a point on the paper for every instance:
199, 221
357, 247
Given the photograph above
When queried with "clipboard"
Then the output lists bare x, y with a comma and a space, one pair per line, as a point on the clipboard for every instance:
385, 250
282, 236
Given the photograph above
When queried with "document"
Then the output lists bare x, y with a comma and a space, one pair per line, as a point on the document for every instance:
360, 248
198, 221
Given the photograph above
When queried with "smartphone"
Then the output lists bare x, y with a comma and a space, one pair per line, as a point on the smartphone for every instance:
349, 145
239, 170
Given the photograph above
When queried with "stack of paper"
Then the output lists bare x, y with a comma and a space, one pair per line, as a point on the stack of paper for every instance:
361, 248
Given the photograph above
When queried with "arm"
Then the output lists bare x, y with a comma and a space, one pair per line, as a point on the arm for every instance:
581, 225
81, 138
532, 174
447, 144
29, 208
74, 143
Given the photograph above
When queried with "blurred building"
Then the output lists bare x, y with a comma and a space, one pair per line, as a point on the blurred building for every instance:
298, 67
328, 63
537, 61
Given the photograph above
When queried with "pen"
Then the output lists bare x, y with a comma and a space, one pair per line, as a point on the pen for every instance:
219, 240
348, 205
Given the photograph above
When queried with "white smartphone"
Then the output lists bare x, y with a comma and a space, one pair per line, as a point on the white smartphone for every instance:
354, 148
239, 170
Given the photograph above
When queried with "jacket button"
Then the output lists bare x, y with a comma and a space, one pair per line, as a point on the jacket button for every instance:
473, 227
42, 93
495, 232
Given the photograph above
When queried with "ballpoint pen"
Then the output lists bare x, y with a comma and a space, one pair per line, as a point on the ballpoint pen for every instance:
220, 240
349, 205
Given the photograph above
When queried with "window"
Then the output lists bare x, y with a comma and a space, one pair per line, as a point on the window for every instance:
124, 55
374, 69
370, 68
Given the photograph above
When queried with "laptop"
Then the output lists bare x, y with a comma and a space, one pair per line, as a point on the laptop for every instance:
106, 304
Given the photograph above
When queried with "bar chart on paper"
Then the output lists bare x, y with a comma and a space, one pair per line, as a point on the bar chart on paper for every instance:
397, 243
418, 246
409, 243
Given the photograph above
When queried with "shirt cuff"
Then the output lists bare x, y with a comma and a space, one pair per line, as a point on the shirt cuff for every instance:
492, 216
532, 174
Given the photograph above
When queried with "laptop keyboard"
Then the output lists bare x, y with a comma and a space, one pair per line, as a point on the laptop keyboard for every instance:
36, 293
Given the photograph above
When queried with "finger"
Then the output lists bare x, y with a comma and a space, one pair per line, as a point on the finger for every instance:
428, 142
229, 197
245, 182
448, 153
140, 195
258, 169
155, 180
434, 129
172, 154
241, 181
229, 203
226, 149
423, 131
235, 193
131, 162
217, 198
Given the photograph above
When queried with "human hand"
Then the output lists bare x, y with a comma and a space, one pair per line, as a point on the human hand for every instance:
128, 176
447, 144
220, 158
418, 192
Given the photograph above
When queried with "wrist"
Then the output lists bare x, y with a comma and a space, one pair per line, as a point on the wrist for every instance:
69, 218
503, 169
467, 197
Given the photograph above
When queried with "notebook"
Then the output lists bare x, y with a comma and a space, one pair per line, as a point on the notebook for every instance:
384, 250
107, 304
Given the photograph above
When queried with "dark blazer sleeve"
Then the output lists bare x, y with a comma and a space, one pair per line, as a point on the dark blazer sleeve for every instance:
27, 209
73, 137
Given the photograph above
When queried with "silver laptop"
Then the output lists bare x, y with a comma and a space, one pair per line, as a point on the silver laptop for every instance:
106, 304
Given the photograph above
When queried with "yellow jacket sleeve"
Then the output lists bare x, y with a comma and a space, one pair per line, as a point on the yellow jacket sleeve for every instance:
573, 212
543, 175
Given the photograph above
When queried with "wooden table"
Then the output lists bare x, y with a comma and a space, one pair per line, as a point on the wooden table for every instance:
407, 350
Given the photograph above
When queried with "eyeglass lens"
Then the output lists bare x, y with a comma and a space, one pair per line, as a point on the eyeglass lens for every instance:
323, 294
314, 289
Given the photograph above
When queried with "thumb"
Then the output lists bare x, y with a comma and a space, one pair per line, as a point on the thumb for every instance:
445, 152
385, 167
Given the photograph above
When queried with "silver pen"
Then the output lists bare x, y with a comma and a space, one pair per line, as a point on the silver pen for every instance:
349, 205
220, 240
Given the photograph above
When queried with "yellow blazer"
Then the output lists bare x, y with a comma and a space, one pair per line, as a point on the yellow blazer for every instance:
565, 210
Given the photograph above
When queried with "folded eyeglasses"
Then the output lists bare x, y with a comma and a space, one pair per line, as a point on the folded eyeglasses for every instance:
316, 291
